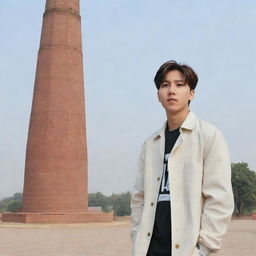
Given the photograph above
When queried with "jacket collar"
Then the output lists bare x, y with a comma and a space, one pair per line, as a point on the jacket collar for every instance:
188, 124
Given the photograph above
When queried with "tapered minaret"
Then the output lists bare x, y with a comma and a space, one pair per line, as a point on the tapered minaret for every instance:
55, 183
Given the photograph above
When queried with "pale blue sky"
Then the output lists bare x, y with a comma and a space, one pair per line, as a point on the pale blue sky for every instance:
124, 43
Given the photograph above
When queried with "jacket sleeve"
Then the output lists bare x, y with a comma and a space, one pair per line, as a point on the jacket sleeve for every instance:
217, 191
137, 199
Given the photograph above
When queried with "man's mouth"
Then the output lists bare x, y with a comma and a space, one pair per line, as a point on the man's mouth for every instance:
171, 100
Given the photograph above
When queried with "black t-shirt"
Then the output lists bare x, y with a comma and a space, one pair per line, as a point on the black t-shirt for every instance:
160, 244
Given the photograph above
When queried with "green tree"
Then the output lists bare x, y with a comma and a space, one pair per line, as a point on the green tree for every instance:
17, 196
4, 203
121, 204
98, 199
11, 203
14, 206
244, 187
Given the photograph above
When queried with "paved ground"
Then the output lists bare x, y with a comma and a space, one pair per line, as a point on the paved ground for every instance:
108, 239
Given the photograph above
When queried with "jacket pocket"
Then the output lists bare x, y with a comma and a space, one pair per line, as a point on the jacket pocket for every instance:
196, 252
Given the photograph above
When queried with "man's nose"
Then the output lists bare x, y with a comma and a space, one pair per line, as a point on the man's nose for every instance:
171, 89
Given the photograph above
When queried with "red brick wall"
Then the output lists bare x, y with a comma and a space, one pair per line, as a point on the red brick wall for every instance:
56, 157
58, 218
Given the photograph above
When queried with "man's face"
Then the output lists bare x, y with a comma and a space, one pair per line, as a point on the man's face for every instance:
174, 94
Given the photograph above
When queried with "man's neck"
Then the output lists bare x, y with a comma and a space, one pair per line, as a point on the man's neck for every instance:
175, 120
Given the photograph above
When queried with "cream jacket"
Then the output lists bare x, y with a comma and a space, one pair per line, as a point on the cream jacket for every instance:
200, 188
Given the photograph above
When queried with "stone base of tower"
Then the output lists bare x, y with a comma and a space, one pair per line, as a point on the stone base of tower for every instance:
84, 217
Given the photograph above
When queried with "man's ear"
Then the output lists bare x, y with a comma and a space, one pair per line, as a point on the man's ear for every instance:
192, 94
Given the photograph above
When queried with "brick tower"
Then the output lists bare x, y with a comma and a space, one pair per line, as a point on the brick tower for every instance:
55, 183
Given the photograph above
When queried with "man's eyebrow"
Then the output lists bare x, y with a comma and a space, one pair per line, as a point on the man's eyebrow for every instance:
178, 80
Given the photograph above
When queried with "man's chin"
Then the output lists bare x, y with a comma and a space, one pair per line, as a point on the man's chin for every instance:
175, 111
172, 110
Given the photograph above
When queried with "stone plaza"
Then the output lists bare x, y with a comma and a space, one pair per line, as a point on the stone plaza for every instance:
101, 239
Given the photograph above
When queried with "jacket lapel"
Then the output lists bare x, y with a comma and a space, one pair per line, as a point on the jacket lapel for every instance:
178, 142
186, 126
159, 143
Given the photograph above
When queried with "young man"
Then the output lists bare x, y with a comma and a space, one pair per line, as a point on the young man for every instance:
182, 200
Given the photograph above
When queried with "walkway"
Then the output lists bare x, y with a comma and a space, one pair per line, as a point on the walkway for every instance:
101, 239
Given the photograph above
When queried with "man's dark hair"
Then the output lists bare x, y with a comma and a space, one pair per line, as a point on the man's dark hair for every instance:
189, 74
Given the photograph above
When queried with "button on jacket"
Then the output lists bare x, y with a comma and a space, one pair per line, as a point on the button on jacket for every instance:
200, 188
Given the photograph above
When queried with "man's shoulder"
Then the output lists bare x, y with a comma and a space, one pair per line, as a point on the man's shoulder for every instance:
205, 126
200, 126
206, 129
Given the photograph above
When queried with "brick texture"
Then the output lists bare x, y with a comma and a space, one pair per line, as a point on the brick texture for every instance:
56, 158
57, 217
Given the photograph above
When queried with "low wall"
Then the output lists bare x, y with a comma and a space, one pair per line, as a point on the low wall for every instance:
58, 217
122, 218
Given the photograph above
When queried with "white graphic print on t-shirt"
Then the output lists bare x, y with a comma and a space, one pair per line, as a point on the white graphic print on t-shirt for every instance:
164, 193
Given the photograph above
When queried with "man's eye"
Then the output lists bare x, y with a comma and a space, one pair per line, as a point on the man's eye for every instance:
164, 85
180, 84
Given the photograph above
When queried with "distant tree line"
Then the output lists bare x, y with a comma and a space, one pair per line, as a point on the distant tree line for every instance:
244, 188
11, 204
118, 203
243, 182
